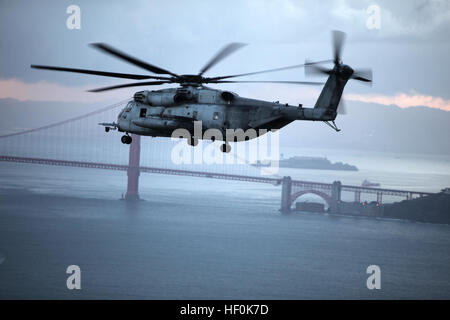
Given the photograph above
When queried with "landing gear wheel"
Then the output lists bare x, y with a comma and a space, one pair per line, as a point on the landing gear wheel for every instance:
192, 141
225, 148
106, 129
126, 139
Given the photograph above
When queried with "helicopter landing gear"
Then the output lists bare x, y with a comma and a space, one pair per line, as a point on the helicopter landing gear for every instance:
106, 129
192, 141
126, 139
225, 148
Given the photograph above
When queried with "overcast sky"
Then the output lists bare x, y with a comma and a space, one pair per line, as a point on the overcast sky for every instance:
408, 54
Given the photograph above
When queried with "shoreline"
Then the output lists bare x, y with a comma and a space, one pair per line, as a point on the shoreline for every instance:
11, 193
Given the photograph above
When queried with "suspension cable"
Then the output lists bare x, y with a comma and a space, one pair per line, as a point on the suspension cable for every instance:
112, 106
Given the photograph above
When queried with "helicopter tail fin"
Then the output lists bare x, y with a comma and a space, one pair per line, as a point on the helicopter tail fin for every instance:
331, 94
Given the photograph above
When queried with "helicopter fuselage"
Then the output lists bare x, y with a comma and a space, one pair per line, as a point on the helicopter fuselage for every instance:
160, 112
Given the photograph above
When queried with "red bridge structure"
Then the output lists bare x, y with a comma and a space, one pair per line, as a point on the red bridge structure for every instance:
81, 142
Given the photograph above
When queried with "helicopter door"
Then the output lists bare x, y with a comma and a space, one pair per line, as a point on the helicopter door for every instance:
143, 113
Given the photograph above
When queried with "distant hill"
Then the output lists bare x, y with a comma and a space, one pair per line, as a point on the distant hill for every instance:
366, 126
434, 208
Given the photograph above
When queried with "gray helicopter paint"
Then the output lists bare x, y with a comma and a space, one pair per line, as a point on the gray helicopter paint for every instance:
160, 112
330, 98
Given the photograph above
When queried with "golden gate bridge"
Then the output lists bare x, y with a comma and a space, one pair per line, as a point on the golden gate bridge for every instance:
81, 142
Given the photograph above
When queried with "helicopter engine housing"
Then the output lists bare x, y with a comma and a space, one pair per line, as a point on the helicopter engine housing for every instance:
154, 98
165, 98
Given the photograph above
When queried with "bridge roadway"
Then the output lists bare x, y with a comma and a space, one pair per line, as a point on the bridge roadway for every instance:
274, 181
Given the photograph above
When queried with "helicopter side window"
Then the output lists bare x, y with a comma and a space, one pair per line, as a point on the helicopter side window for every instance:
143, 113
216, 116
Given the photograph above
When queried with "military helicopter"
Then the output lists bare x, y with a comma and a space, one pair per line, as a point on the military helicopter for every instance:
159, 113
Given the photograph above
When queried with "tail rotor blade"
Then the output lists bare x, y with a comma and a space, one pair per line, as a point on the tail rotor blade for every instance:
364, 75
342, 109
338, 43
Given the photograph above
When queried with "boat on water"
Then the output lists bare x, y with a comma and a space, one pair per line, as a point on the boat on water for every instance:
367, 183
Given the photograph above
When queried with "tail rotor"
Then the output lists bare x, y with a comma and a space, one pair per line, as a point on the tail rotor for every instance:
338, 76
340, 69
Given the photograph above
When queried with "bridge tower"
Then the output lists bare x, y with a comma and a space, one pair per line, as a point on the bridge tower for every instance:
358, 196
380, 197
133, 168
335, 197
286, 190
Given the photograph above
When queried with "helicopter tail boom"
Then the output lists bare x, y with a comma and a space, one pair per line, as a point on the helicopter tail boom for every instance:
332, 91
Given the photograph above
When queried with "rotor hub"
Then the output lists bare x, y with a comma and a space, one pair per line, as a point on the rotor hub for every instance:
346, 71
190, 78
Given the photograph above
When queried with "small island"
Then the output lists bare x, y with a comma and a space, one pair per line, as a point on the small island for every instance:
303, 162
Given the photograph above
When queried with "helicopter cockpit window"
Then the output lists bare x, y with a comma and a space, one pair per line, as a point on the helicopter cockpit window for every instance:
128, 107
143, 113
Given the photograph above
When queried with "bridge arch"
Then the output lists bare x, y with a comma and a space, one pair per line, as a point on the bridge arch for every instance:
321, 194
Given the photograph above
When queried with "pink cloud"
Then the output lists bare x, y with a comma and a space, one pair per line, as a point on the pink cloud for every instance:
403, 100
47, 91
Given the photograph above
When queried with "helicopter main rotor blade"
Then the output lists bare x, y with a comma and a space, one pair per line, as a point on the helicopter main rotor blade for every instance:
133, 84
222, 54
99, 73
121, 55
286, 82
267, 71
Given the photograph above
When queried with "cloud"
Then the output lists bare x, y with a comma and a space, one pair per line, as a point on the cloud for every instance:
403, 100
47, 91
